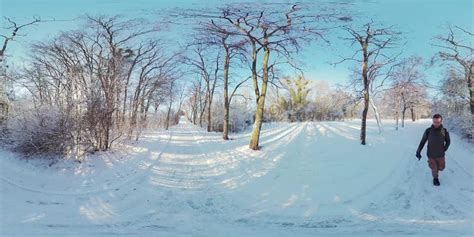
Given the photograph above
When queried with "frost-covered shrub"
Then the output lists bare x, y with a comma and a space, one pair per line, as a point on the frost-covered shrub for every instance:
41, 131
240, 116
453, 104
456, 116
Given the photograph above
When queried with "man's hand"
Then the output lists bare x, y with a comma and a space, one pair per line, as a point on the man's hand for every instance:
418, 155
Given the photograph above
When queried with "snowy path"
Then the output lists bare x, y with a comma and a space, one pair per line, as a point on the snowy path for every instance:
308, 178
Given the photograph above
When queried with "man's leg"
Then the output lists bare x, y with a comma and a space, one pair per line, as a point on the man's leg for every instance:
434, 167
441, 163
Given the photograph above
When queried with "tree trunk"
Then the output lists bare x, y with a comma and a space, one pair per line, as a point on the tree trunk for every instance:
225, 134
3, 104
412, 114
168, 114
209, 116
403, 116
108, 121
366, 95
211, 95
254, 141
470, 85
377, 115
397, 114
203, 109
396, 119
136, 101
364, 117
195, 115
125, 94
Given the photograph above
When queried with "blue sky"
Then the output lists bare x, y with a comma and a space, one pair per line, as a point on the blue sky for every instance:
420, 20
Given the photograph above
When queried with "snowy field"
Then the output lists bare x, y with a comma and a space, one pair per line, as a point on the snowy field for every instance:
308, 179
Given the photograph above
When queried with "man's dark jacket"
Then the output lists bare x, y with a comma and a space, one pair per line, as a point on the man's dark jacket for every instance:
438, 141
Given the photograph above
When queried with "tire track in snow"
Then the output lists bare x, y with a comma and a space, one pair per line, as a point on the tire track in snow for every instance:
218, 167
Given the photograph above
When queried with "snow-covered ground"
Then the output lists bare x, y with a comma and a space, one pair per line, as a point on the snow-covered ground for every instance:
309, 178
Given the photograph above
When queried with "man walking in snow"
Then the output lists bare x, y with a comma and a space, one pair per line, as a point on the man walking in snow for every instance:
438, 143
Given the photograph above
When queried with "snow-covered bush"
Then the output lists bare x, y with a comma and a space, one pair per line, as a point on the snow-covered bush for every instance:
41, 131
456, 116
240, 116
454, 105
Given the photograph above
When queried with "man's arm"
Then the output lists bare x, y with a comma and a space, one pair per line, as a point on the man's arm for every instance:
447, 141
422, 142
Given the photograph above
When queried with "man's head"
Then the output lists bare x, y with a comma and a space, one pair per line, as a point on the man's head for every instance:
437, 120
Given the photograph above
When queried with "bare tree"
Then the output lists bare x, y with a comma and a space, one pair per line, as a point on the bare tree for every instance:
407, 84
457, 47
277, 28
154, 71
13, 27
208, 68
220, 33
373, 44
192, 102
170, 105
99, 78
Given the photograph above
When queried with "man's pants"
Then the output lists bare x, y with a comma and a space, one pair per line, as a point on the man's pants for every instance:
436, 165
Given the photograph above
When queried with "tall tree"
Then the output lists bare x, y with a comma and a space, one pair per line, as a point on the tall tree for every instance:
457, 47
207, 67
85, 74
374, 43
407, 84
13, 27
278, 29
220, 33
